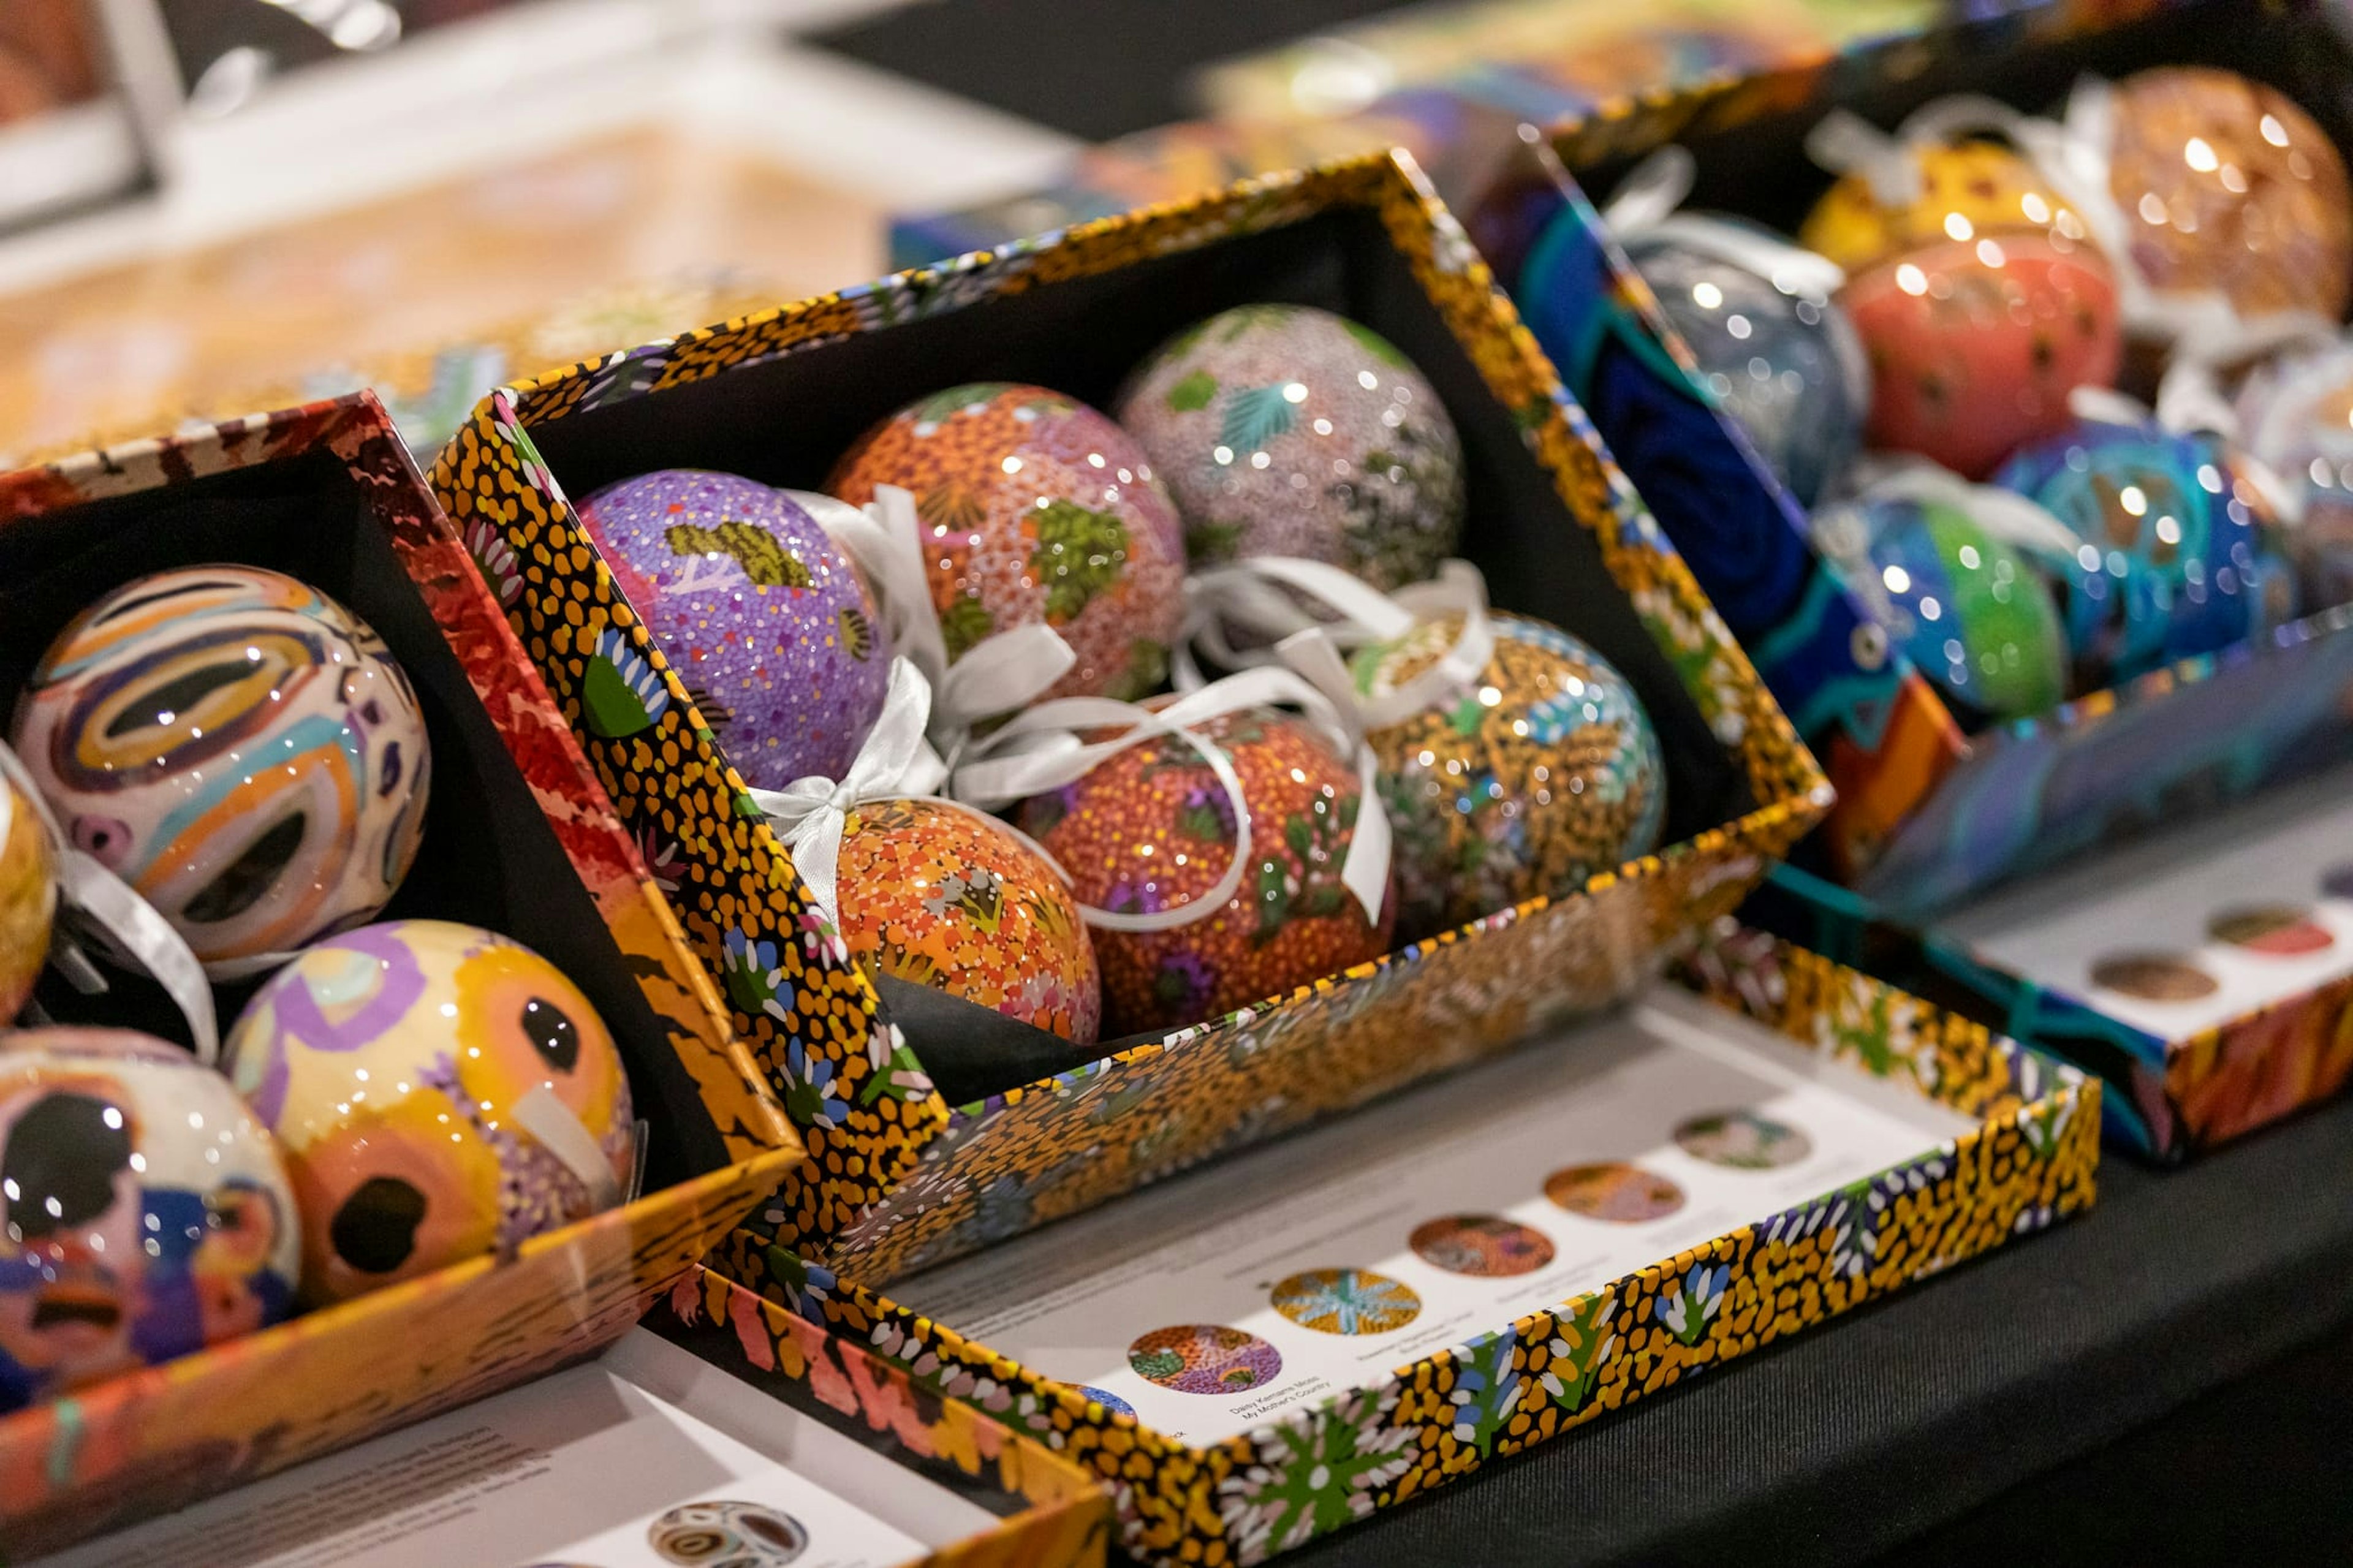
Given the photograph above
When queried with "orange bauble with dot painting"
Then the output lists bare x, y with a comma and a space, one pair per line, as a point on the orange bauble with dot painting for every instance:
942, 895
1151, 829
1981, 304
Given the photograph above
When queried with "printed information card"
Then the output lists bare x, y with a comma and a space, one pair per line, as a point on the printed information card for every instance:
646, 1457
1210, 1303
2184, 932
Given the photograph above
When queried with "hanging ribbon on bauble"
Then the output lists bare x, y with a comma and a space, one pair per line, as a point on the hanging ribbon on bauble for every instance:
96, 905
1047, 747
1002, 673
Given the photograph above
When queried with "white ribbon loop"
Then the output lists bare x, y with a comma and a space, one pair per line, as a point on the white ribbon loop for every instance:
559, 1130
2005, 514
1644, 206
996, 675
1843, 143
812, 813
1043, 749
93, 899
1358, 615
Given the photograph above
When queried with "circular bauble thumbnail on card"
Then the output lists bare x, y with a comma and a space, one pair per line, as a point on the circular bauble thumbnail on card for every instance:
144, 1212
1035, 509
239, 748
774, 633
1287, 430
406, 1068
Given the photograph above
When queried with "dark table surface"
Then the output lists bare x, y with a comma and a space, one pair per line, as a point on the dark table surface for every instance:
2166, 1379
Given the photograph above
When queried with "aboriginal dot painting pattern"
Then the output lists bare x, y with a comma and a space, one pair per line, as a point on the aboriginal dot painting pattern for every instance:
1323, 1466
876, 1184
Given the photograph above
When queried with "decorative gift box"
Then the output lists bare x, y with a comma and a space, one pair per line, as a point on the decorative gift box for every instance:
519, 837
804, 1449
2206, 973
1926, 813
902, 1173
1266, 1351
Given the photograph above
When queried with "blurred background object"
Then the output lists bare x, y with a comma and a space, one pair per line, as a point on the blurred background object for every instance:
208, 207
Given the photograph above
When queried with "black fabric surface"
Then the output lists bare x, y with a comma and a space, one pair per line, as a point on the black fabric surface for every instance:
1871, 1436
1095, 70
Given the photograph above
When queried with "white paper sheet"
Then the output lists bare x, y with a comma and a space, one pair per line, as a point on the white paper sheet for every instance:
2159, 897
600, 1467
1215, 1248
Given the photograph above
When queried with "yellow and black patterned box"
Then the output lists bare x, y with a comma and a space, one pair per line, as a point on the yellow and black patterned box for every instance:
899, 1175
1995, 1142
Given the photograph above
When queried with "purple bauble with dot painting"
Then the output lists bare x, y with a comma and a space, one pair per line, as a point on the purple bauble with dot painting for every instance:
762, 616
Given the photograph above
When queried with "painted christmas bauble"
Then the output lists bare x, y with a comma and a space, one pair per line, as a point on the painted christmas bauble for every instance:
239, 748
1981, 305
1970, 612
1542, 773
398, 1065
941, 896
2226, 184
1967, 189
1151, 829
774, 633
1287, 430
2295, 413
1035, 508
28, 899
2179, 551
144, 1212
1784, 362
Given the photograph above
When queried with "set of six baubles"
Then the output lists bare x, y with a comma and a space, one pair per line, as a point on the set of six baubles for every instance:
1965, 297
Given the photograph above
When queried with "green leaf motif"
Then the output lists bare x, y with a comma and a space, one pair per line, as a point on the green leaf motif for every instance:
1147, 670
958, 507
940, 406
1193, 394
614, 710
1273, 901
1156, 1364
1467, 715
1255, 416
1323, 900
1379, 347
965, 623
1202, 824
1079, 553
1207, 541
762, 554
1299, 836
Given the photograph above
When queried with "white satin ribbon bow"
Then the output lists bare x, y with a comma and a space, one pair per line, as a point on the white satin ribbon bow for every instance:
998, 674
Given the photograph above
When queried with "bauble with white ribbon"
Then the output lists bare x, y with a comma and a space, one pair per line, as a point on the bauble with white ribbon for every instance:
935, 892
1515, 762
1228, 845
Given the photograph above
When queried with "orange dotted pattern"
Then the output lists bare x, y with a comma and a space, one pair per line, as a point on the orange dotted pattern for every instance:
940, 896
1035, 508
1151, 829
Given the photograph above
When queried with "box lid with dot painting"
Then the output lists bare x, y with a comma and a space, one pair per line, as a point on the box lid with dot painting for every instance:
1267, 1349
937, 1124
467, 1031
2189, 651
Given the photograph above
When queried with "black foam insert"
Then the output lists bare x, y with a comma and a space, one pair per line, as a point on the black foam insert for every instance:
489, 856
